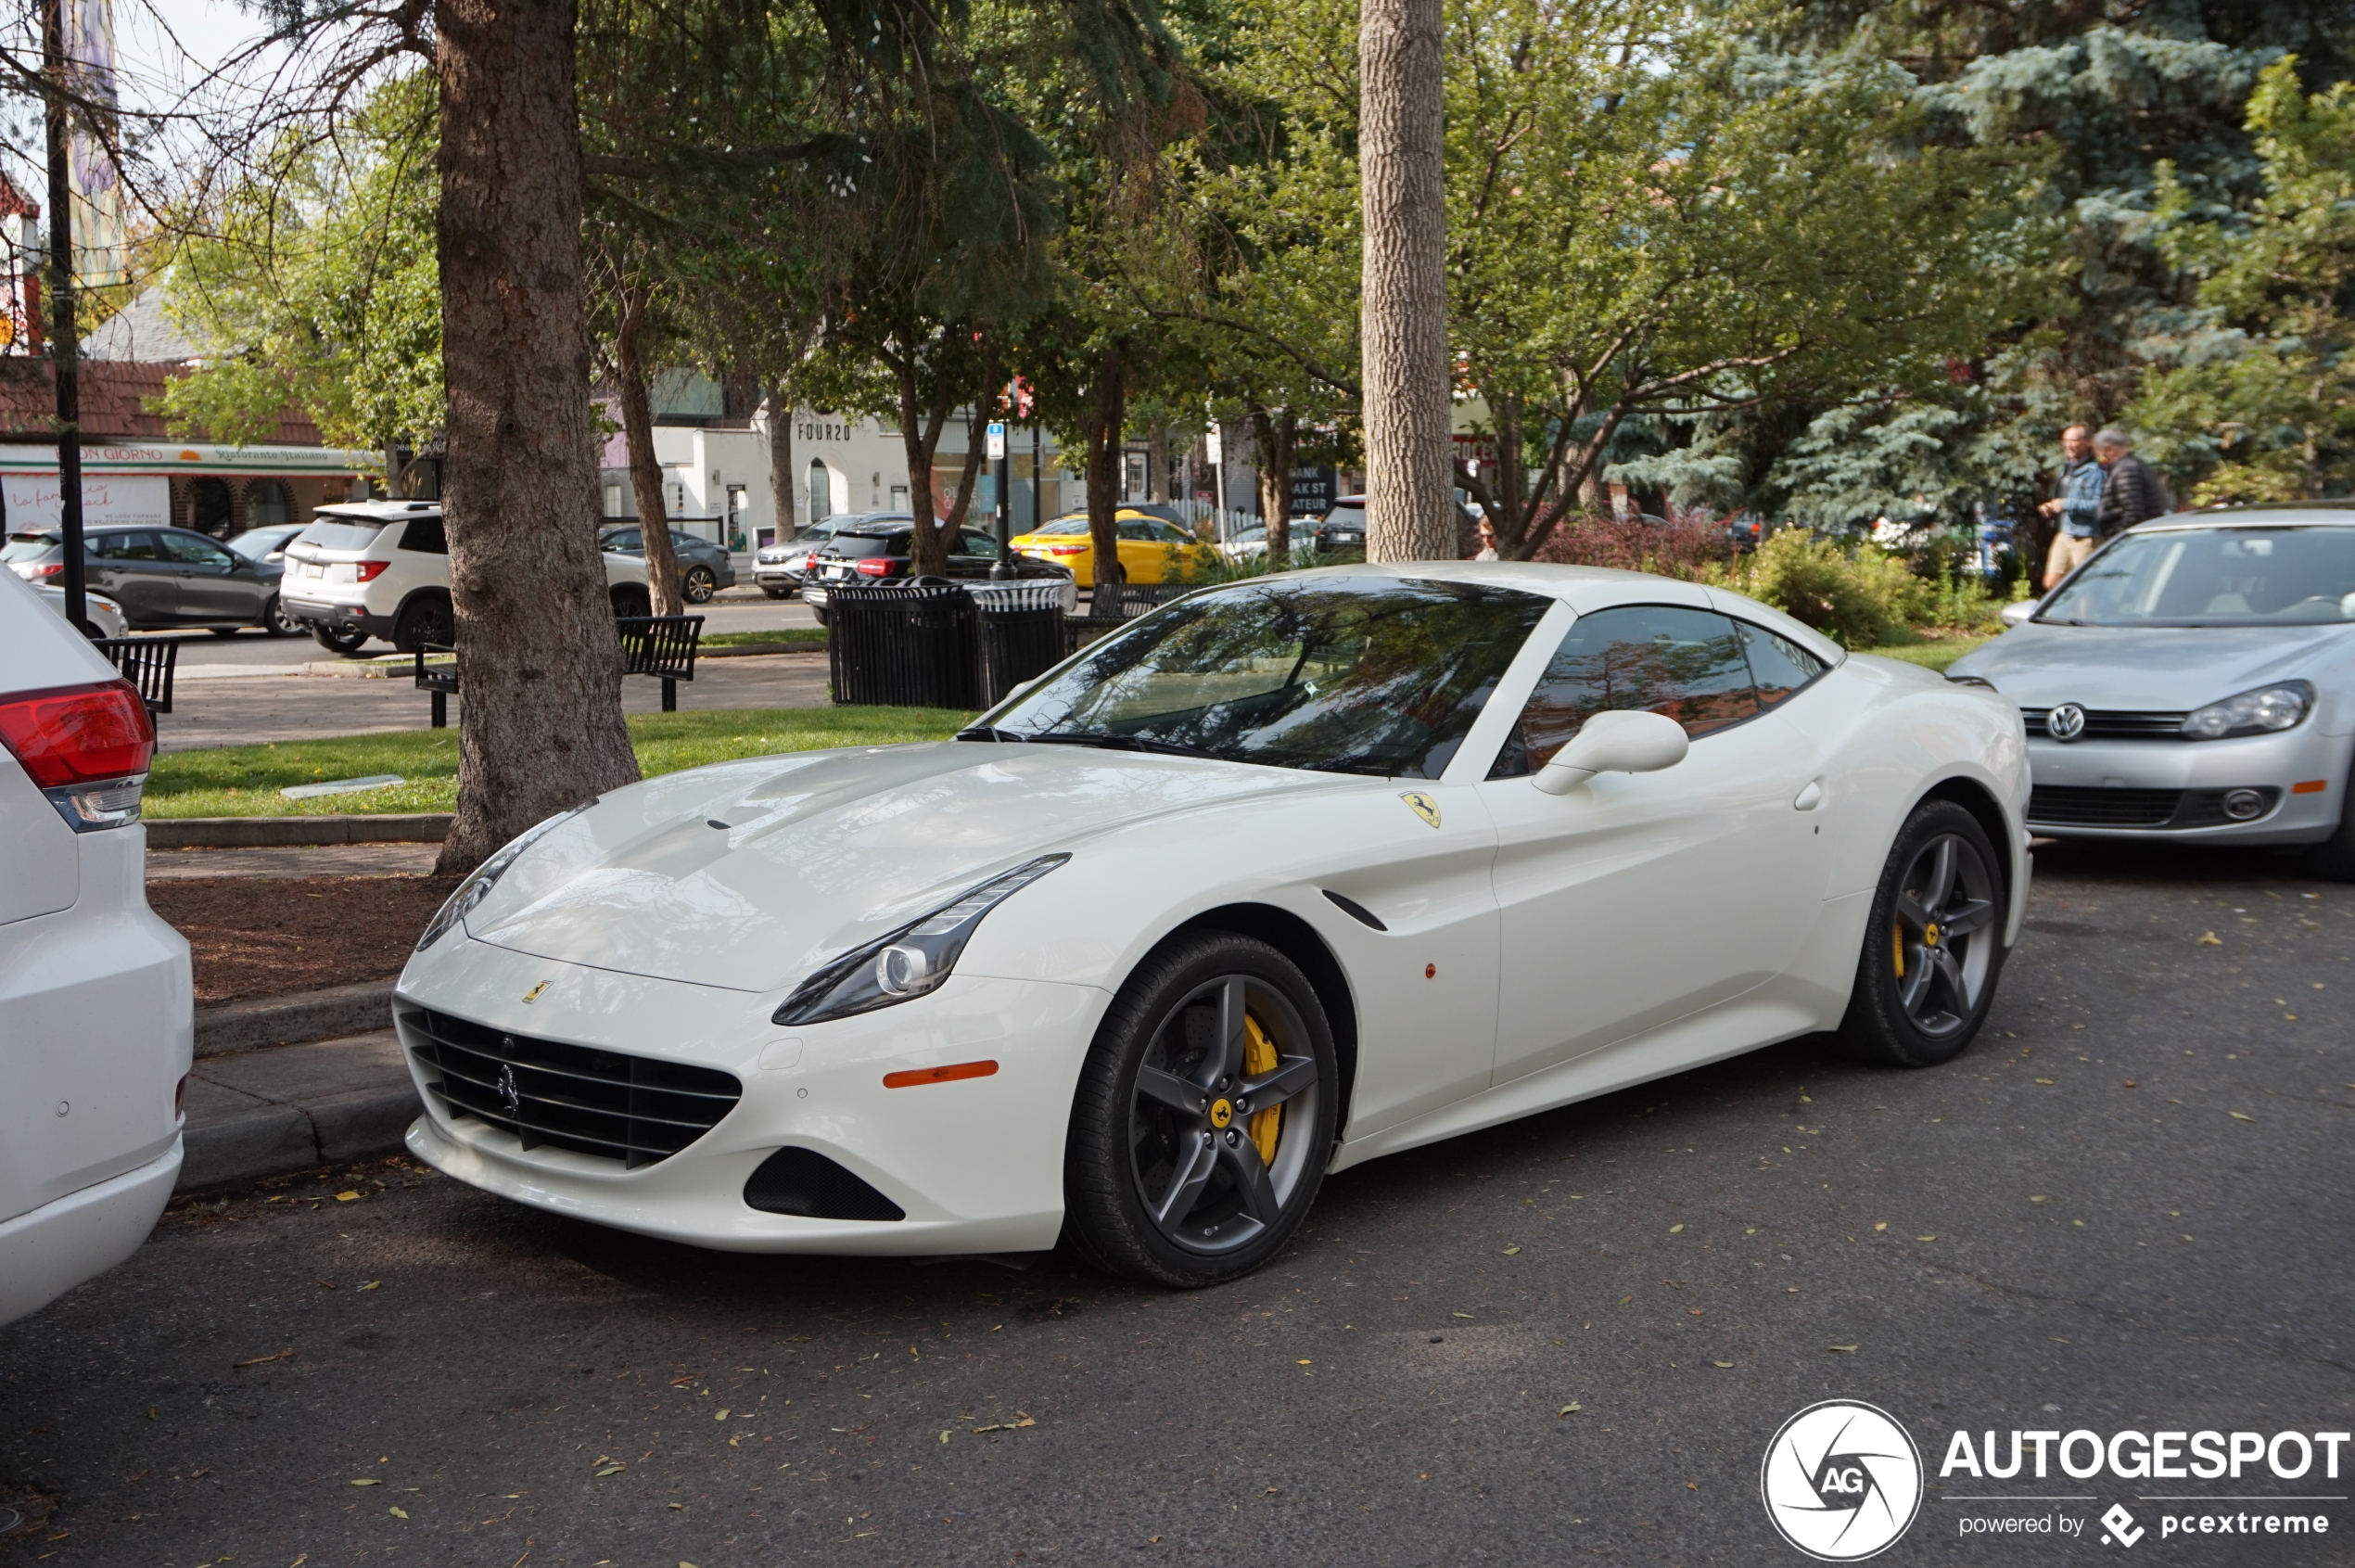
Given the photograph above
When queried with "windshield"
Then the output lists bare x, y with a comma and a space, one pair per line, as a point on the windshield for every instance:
28, 546
1347, 675
330, 535
256, 543
2214, 577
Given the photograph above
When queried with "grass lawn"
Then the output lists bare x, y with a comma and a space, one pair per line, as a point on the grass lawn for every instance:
783, 637
1931, 656
243, 781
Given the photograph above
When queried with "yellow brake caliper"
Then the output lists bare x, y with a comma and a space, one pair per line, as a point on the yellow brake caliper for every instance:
1259, 1056
1897, 946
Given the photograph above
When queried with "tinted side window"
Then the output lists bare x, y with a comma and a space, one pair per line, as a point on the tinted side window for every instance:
970, 542
194, 549
1779, 665
1135, 528
426, 536
1686, 664
124, 547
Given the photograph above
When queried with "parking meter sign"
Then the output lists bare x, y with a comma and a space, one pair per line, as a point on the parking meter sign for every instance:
997, 438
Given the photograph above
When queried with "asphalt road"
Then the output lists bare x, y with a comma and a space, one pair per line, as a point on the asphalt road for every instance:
2071, 1227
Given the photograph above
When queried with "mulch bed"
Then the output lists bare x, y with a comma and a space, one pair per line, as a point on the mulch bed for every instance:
262, 935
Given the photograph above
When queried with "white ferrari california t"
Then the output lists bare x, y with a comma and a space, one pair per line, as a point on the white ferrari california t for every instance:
1288, 874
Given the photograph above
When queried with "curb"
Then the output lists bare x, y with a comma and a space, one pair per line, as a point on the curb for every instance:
287, 1020
255, 833
289, 1110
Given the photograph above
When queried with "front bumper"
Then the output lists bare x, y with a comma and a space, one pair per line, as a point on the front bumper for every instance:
47, 1252
975, 1164
2073, 782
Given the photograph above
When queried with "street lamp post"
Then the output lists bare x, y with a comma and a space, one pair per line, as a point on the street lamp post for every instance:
1003, 568
65, 344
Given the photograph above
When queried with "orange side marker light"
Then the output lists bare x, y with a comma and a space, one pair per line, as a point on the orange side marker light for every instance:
910, 1078
2312, 787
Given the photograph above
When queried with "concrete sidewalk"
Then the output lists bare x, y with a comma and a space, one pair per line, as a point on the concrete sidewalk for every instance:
253, 1113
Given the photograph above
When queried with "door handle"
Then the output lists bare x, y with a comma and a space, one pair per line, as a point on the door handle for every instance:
1809, 799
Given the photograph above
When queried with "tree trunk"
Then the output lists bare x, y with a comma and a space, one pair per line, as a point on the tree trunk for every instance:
781, 506
646, 473
1409, 512
1106, 418
920, 427
540, 727
1275, 434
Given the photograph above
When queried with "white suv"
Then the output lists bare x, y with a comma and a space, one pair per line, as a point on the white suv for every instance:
381, 569
96, 1011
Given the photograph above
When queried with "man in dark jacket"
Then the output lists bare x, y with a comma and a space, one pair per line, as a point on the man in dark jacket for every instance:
2131, 491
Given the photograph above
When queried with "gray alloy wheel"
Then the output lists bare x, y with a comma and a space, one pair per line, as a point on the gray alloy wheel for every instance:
1204, 1117
697, 585
1933, 943
277, 622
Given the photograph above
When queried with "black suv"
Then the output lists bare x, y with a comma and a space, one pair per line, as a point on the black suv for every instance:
883, 554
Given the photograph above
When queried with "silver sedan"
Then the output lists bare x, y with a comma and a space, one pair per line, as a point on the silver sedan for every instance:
2196, 681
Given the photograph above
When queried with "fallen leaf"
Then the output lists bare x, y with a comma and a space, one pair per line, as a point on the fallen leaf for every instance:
719, 1414
674, 1505
1306, 1363
1626, 1299
2047, 1080
1008, 1425
1924, 1238
1693, 1311
2209, 939
943, 1438
397, 1511
2035, 1197
1674, 1228
2240, 1117
2131, 1084
366, 1481
372, 1284
1460, 1314
1509, 1251
613, 1470
345, 1197
1840, 1347
1569, 1410
1882, 1225
264, 1360
1720, 1363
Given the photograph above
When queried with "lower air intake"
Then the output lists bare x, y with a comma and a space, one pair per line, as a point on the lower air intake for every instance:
633, 1109
803, 1182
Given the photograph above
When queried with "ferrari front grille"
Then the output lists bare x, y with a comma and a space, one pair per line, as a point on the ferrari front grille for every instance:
633, 1109
2068, 805
2112, 725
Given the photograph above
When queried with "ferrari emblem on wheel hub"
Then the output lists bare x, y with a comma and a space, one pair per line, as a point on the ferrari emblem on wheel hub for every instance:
1221, 1113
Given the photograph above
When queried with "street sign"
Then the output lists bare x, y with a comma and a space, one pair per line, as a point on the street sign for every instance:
1218, 452
997, 438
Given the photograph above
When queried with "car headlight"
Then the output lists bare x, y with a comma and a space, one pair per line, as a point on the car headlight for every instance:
477, 888
2260, 712
909, 961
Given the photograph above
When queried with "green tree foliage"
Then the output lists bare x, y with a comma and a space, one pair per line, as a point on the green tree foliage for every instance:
318, 280
2259, 401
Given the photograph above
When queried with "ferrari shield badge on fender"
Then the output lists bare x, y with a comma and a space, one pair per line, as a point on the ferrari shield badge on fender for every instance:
1423, 805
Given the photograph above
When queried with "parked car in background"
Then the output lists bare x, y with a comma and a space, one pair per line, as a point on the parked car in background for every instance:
268, 543
160, 577
1152, 549
381, 569
1343, 527
703, 567
881, 552
103, 615
1245, 545
777, 568
2194, 680
96, 1020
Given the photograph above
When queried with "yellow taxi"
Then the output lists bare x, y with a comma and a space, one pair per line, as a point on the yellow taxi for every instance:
1146, 546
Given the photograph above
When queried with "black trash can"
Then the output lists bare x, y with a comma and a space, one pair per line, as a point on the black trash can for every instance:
913, 647
1021, 634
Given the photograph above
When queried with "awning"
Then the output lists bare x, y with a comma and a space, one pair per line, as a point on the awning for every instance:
192, 459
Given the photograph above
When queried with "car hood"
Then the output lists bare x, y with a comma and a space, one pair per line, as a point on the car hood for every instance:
2144, 668
746, 874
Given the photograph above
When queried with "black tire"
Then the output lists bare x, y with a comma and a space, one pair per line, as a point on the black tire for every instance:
821, 614
277, 622
424, 620
1933, 943
224, 631
775, 593
630, 599
2333, 859
697, 585
1170, 1174
345, 643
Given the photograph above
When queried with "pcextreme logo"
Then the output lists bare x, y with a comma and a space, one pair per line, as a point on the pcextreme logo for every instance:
1842, 1481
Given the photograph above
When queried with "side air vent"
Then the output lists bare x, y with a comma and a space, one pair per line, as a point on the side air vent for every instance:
1356, 911
803, 1182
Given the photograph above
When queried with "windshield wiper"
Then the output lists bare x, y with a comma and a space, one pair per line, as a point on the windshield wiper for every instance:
1121, 742
989, 733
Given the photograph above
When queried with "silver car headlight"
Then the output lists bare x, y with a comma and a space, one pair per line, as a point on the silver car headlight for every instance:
477, 888
909, 961
2261, 712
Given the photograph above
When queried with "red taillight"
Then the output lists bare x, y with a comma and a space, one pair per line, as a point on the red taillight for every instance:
80, 735
48, 569
1067, 550
873, 566
368, 571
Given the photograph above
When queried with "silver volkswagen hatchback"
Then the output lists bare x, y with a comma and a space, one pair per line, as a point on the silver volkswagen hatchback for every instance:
2196, 681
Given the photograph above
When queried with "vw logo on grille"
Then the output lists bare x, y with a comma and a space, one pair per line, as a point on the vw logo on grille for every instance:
2065, 722
508, 1092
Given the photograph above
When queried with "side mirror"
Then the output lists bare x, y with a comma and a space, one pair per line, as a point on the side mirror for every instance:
1619, 741
2018, 612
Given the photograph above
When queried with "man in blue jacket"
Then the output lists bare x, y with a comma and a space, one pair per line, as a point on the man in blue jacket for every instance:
2073, 508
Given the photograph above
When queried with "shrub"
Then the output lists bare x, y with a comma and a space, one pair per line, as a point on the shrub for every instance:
1681, 546
1861, 600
